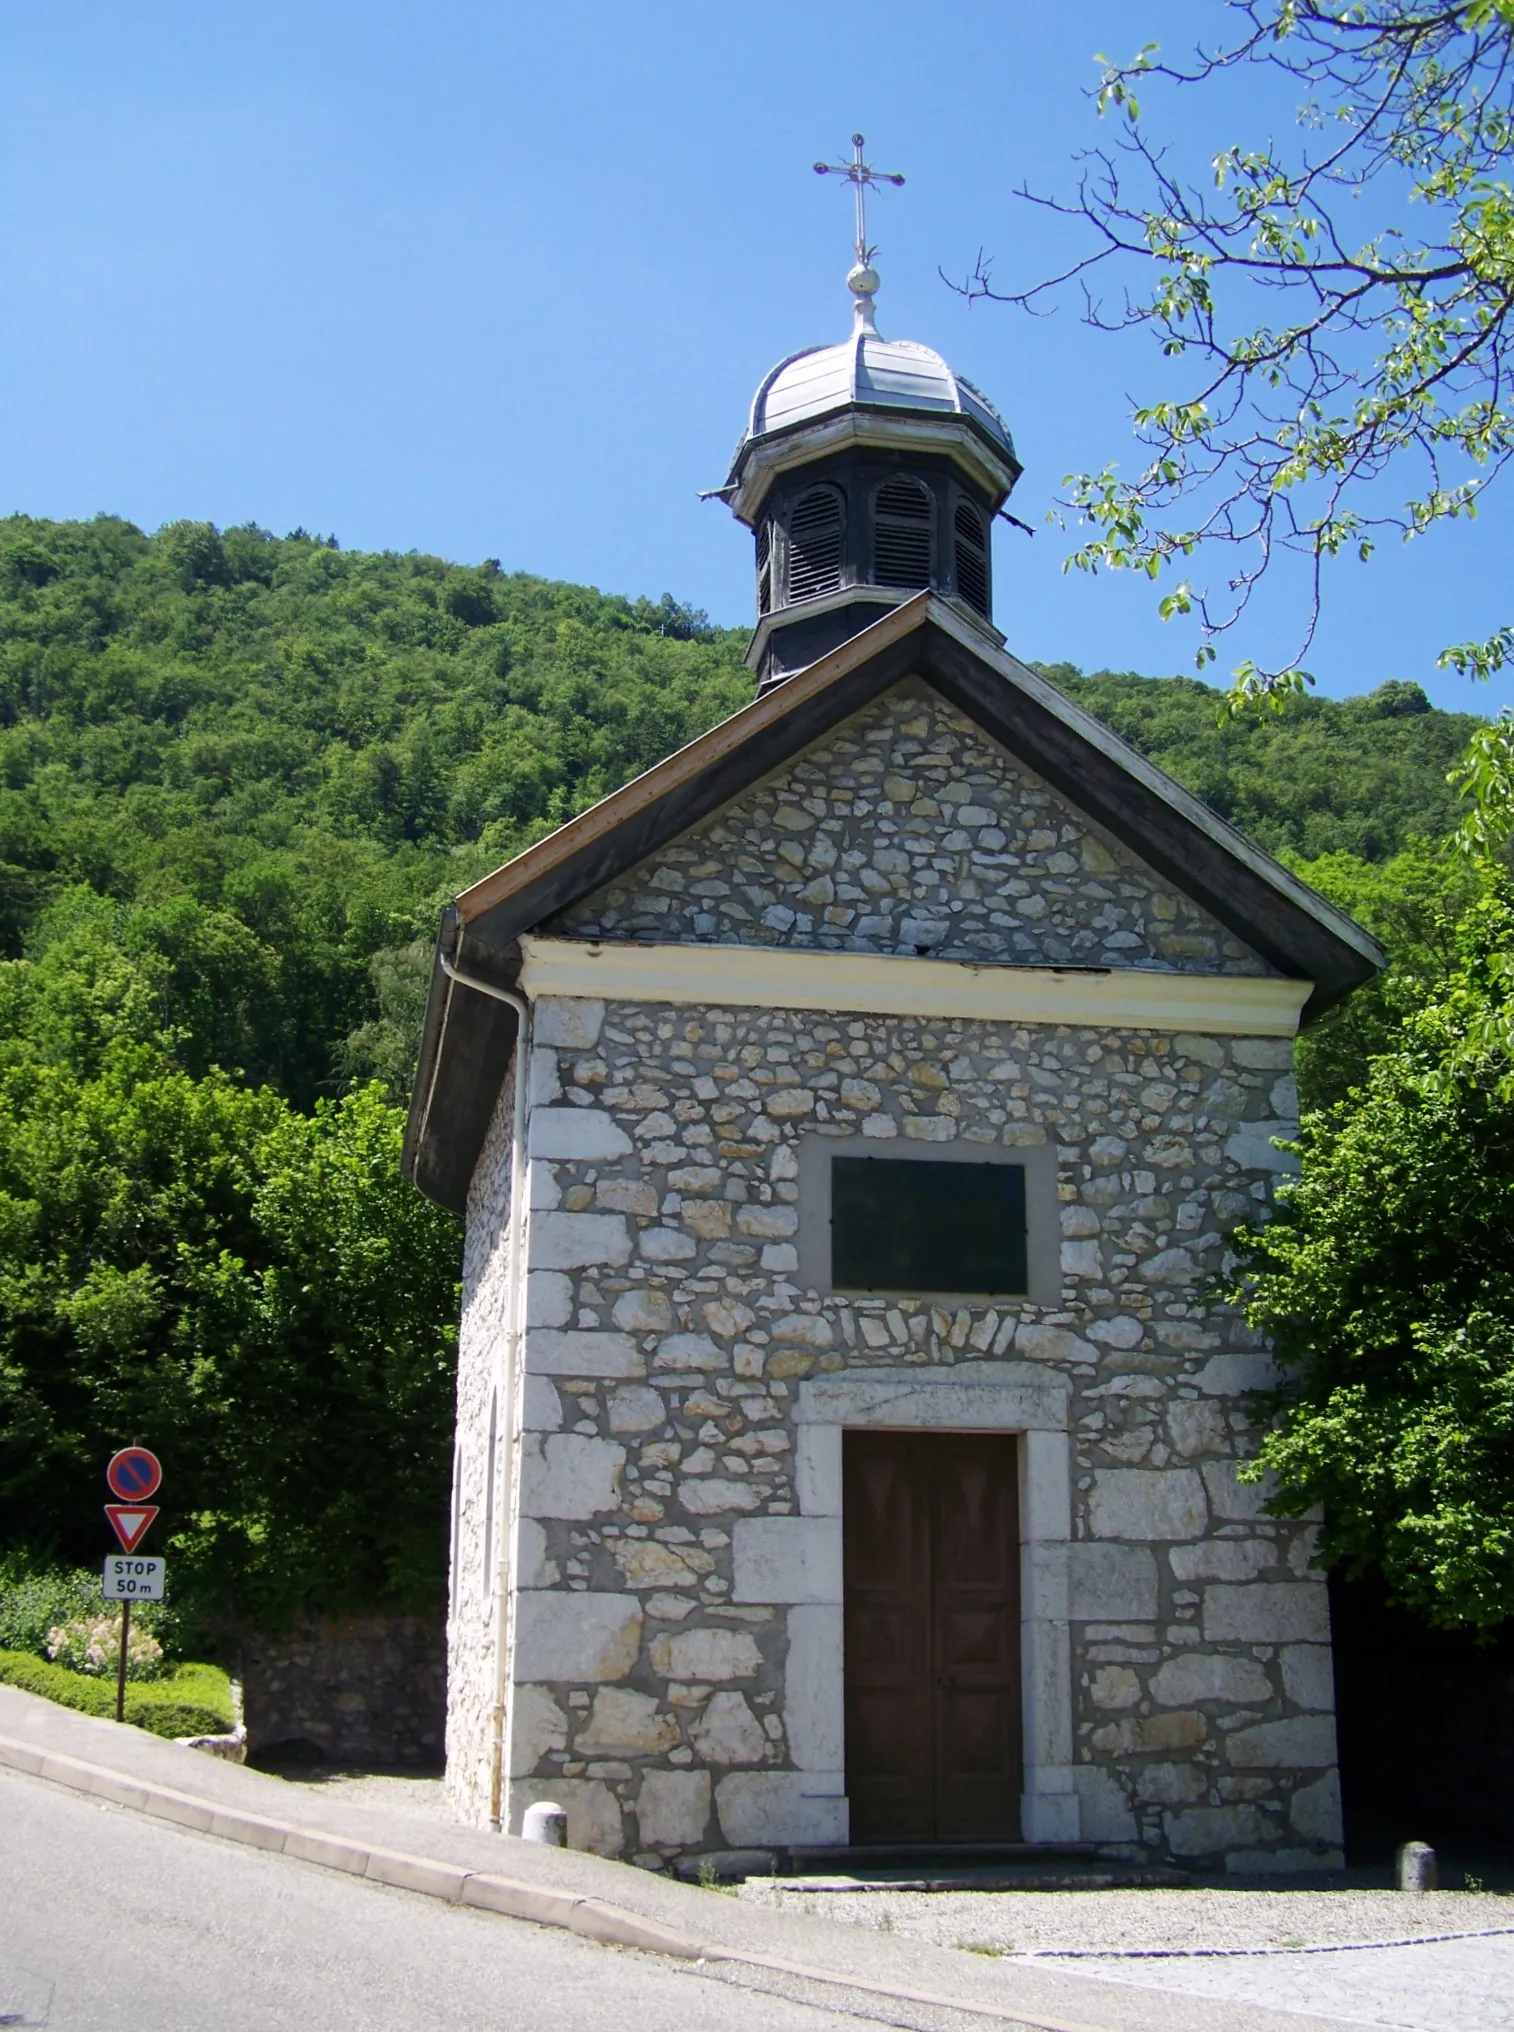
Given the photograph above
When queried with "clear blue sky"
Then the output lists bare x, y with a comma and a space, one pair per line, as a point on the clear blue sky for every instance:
498, 281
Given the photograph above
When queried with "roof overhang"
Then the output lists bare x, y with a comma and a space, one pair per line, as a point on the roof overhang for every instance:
468, 1036
760, 461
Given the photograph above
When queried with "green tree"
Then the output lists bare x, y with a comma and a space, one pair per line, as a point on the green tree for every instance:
1386, 1282
1348, 379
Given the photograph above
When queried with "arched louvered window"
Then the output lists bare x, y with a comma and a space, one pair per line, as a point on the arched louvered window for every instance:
972, 556
815, 532
764, 567
903, 538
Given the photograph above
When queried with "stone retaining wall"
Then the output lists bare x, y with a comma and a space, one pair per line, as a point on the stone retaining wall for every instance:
368, 1690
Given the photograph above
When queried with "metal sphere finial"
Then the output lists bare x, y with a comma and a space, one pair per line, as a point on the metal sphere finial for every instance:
863, 279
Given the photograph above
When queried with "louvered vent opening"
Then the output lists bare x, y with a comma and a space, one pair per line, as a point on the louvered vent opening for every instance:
902, 539
972, 557
815, 544
765, 568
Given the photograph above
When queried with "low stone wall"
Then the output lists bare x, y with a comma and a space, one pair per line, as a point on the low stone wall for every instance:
360, 1689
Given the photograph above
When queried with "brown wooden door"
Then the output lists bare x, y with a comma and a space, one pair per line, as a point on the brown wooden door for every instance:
932, 1637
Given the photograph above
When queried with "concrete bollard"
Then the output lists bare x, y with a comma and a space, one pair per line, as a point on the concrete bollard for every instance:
1416, 1867
544, 1822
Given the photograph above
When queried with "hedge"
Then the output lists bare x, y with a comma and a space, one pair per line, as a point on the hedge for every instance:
193, 1700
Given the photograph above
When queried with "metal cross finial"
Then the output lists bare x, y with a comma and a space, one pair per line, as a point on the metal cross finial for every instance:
862, 177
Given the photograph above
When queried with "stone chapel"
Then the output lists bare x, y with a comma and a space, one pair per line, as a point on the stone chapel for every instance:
849, 1114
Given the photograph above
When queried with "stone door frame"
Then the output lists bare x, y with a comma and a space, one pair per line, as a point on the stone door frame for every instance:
1001, 1397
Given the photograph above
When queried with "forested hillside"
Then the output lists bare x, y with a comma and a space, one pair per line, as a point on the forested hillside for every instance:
261, 764
239, 775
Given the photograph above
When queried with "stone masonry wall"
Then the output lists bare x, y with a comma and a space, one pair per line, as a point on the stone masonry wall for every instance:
361, 1689
669, 1336
909, 832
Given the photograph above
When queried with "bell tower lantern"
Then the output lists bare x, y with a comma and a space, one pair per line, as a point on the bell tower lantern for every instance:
867, 471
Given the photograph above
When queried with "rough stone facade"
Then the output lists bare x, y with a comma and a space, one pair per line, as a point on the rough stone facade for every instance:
675, 1589
908, 832
362, 1689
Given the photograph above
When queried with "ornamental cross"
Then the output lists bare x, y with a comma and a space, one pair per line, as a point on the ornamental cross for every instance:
862, 177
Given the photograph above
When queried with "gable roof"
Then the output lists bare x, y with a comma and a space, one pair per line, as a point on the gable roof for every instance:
468, 1036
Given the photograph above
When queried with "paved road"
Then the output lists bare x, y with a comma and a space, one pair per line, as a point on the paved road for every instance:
108, 1920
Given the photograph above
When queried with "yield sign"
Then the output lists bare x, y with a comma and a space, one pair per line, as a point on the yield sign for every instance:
129, 1521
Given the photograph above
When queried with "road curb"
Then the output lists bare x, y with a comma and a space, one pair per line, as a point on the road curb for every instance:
595, 1919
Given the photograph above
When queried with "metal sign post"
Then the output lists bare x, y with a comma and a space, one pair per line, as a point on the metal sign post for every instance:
132, 1474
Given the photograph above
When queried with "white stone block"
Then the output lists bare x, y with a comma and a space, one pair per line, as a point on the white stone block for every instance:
813, 1689
568, 1474
683, 1351
1052, 1344
1210, 1830
1232, 1498
1082, 1259
1309, 1677
817, 1470
636, 1409
1105, 1813
550, 1352
544, 1086
1306, 1742
1111, 1583
673, 1808
1223, 1559
543, 1193
1315, 1810
1147, 1503
1268, 1612
1263, 1054
537, 1725
579, 1241
716, 1497
580, 1135
568, 1021
728, 1732
1253, 1147
1050, 1816
624, 1723
541, 1407
549, 1298
761, 1809
1043, 1579
787, 1559
666, 1245
564, 1635
1237, 1375
971, 1397
532, 1567
1197, 1676
1045, 1488
704, 1654
640, 1311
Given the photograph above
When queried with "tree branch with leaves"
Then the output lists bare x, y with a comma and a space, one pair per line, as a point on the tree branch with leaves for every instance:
1375, 398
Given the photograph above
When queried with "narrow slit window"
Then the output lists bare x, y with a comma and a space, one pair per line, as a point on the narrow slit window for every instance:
972, 557
765, 568
904, 533
905, 1225
815, 531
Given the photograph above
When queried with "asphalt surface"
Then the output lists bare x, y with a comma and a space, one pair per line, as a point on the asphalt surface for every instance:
108, 1920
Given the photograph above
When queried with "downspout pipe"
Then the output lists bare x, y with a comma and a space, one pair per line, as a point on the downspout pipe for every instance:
504, 1506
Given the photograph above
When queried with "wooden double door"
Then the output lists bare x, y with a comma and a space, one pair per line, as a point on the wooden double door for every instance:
931, 1531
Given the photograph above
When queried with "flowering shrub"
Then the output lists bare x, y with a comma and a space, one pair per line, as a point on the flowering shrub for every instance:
93, 1644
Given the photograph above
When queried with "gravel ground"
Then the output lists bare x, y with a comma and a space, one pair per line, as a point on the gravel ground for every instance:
394, 1791
1449, 1986
1067, 1923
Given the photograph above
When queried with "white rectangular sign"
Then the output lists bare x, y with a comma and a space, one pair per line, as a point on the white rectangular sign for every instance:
128, 1579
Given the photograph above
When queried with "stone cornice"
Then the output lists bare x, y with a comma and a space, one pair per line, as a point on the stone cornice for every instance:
881, 984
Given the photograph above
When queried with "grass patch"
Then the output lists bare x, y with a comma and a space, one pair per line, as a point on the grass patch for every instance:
192, 1700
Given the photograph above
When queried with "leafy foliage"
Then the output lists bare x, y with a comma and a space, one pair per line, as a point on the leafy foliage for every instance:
1386, 1281
195, 1700
1366, 390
